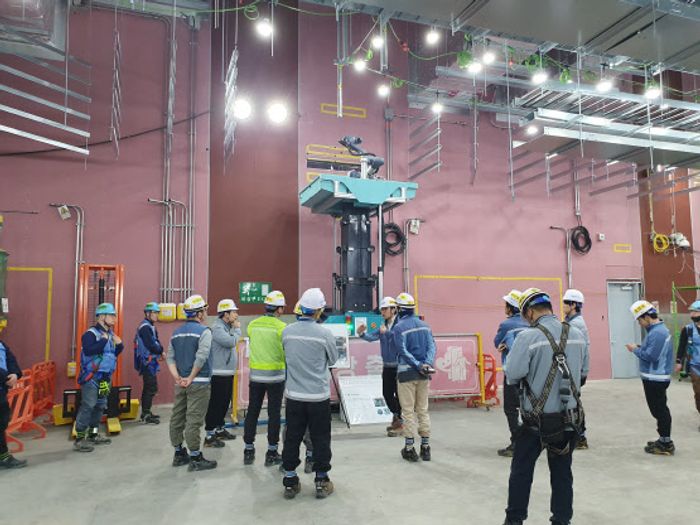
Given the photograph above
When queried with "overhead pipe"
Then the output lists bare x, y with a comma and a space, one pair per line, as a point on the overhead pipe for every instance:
79, 230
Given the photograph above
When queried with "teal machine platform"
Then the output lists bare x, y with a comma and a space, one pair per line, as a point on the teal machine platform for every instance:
355, 199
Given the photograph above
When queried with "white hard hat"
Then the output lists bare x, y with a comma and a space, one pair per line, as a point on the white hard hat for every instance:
275, 298
639, 308
513, 298
573, 295
226, 305
312, 299
405, 300
195, 303
387, 302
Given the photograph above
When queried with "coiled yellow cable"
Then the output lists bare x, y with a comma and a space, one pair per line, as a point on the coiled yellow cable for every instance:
660, 242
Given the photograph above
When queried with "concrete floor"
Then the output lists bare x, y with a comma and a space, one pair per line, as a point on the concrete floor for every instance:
132, 481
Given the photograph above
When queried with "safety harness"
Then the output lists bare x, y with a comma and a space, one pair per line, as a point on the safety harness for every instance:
552, 427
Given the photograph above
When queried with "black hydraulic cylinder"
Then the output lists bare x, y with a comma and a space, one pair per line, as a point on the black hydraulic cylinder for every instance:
356, 282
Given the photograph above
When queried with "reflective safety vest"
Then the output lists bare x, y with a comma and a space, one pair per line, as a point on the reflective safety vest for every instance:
102, 365
267, 363
143, 358
3, 358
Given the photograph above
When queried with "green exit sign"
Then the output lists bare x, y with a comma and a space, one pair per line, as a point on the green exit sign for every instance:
253, 292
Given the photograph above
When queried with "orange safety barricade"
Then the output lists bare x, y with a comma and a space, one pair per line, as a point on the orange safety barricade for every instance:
22, 412
43, 387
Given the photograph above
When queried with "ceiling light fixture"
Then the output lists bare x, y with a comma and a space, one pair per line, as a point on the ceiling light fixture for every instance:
377, 41
539, 77
432, 37
264, 28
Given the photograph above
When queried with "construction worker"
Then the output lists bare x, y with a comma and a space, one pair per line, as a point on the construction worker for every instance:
189, 362
689, 350
225, 333
147, 352
310, 350
100, 347
267, 375
548, 360
505, 335
388, 310
655, 366
572, 305
10, 373
415, 347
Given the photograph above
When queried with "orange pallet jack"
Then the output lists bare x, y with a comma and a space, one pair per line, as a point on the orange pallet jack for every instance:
99, 283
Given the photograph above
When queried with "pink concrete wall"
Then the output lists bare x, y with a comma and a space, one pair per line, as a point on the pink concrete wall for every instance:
470, 230
121, 227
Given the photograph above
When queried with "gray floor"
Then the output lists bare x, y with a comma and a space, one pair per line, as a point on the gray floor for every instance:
132, 481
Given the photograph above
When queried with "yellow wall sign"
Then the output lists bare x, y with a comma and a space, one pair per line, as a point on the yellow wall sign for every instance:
348, 111
622, 248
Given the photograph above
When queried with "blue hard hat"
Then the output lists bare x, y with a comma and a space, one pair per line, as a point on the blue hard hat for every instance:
105, 309
695, 307
152, 307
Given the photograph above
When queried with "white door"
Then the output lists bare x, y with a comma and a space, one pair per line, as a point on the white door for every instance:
623, 328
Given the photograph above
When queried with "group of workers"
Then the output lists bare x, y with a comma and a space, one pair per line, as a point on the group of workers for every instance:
545, 364
286, 362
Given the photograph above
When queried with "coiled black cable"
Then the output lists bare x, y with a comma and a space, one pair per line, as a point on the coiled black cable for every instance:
394, 239
581, 240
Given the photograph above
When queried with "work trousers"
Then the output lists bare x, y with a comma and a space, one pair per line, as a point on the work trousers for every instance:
257, 391
696, 389
189, 410
655, 393
317, 417
390, 390
92, 406
4, 422
511, 407
522, 468
413, 396
150, 389
220, 400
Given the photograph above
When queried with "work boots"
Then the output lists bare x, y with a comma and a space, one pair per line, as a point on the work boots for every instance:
292, 487
582, 444
82, 445
324, 487
425, 452
150, 419
224, 435
395, 428
96, 438
248, 456
12, 462
660, 449
409, 454
213, 442
506, 452
181, 457
199, 462
272, 457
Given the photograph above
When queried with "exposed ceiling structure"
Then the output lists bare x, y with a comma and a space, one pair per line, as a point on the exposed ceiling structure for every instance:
637, 46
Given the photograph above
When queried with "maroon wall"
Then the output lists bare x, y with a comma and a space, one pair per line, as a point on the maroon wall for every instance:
660, 270
254, 203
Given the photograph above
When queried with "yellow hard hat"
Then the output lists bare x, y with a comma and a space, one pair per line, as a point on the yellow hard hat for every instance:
533, 296
513, 298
